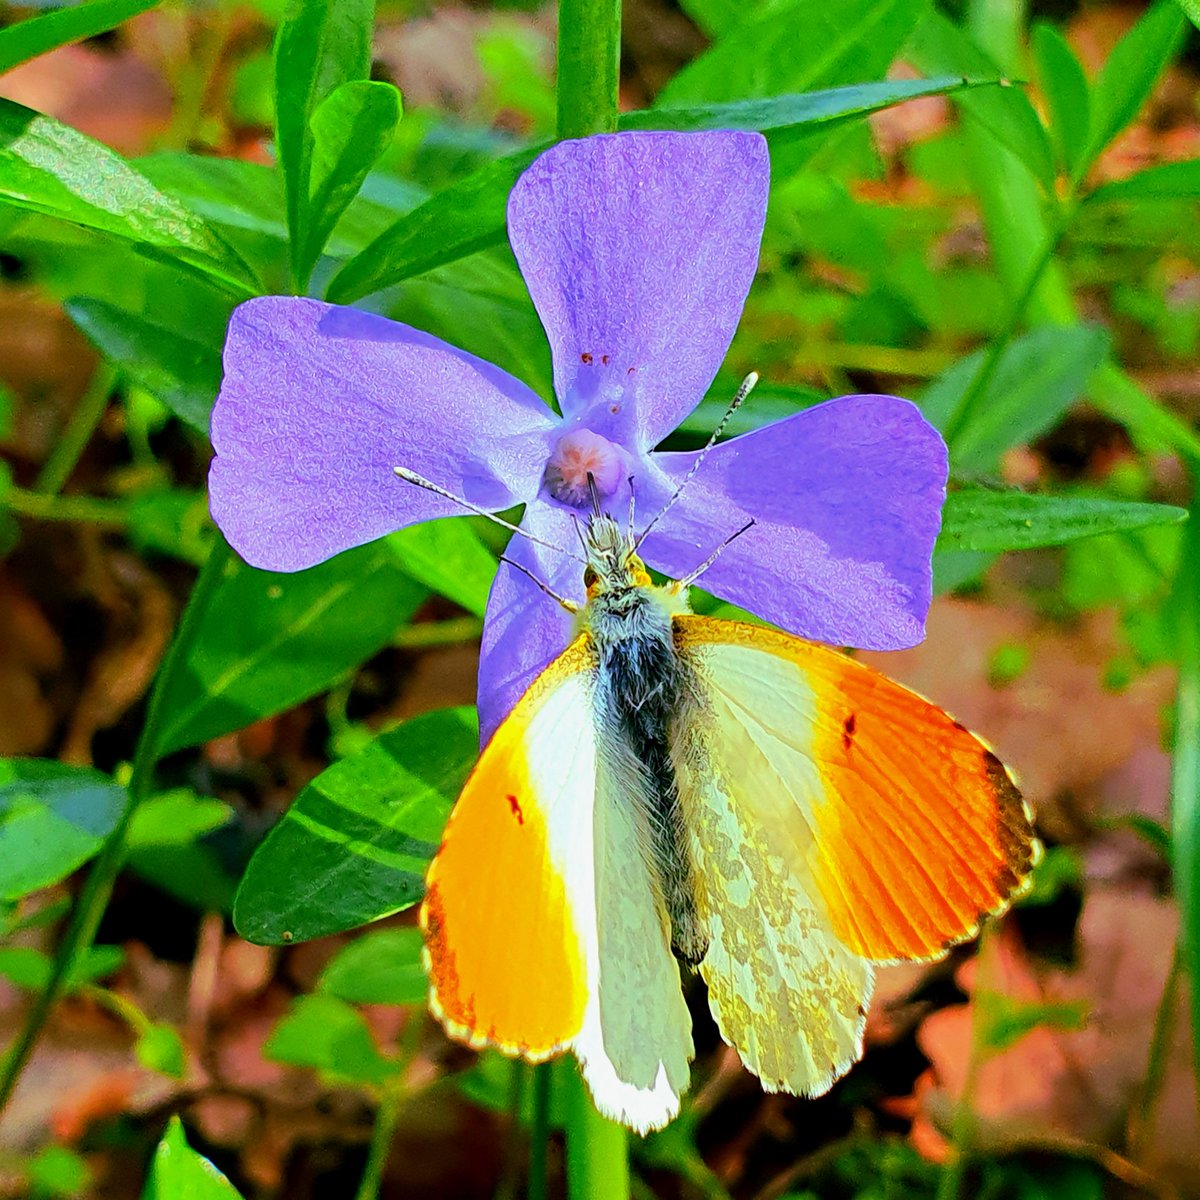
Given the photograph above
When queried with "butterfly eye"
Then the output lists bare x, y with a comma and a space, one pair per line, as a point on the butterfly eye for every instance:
590, 578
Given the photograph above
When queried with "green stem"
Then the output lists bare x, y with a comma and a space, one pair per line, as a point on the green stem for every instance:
597, 1149
589, 66
450, 632
510, 1171
58, 467
93, 900
92, 510
1141, 1121
539, 1132
390, 1099
962, 416
1185, 767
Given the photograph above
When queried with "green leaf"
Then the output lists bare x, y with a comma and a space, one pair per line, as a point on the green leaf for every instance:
320, 45
382, 966
28, 39
268, 641
470, 215
31, 969
53, 818
183, 373
355, 843
1168, 181
56, 1173
179, 1173
978, 519
328, 1035
465, 217
160, 1048
1035, 381
1066, 90
795, 46
1135, 63
1192, 8
448, 558
938, 47
351, 128
805, 111
175, 818
1005, 1021
50, 168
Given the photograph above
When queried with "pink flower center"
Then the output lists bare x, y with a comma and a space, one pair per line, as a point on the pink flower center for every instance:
578, 454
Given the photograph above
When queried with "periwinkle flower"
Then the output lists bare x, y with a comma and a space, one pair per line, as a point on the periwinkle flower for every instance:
638, 250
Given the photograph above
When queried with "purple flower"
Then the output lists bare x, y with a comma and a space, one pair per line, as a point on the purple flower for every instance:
638, 250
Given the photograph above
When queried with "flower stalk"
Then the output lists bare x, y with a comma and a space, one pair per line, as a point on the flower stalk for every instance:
589, 60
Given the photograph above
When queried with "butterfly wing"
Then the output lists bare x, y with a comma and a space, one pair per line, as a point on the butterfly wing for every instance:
542, 931
837, 819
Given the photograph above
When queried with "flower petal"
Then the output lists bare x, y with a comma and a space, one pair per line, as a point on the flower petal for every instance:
847, 501
320, 402
638, 250
524, 628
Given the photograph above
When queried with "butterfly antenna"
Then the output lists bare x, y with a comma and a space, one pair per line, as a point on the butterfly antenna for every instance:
421, 482
594, 492
629, 527
688, 580
746, 388
569, 605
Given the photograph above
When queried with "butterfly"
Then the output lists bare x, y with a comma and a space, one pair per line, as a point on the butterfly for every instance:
678, 793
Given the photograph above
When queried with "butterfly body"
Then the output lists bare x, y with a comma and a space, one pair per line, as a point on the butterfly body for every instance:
680, 791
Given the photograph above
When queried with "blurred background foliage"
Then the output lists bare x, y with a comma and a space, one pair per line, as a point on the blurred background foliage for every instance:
1016, 249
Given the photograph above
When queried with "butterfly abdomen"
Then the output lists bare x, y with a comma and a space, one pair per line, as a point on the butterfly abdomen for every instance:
640, 684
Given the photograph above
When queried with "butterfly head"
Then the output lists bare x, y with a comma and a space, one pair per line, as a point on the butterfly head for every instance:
612, 563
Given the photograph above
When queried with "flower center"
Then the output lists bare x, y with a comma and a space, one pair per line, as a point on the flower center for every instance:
579, 454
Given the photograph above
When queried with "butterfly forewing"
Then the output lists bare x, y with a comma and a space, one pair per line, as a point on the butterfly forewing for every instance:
900, 820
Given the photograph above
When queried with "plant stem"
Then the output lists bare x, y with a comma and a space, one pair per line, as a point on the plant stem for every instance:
589, 66
1142, 1118
961, 418
93, 900
391, 1096
66, 454
597, 1149
1185, 766
92, 510
510, 1172
539, 1132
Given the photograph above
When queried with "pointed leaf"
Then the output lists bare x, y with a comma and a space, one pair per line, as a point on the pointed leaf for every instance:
320, 45
1037, 378
181, 372
179, 1173
268, 641
37, 35
978, 519
1168, 181
1066, 90
351, 128
1132, 68
50, 168
355, 843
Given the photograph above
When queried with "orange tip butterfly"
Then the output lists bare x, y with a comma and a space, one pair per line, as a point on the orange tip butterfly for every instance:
677, 793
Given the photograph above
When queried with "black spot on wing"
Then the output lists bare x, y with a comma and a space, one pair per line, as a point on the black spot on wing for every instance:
848, 727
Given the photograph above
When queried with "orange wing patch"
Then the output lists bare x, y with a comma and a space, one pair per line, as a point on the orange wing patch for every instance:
920, 832
505, 961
